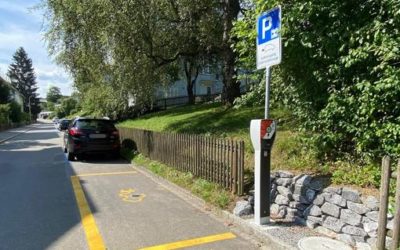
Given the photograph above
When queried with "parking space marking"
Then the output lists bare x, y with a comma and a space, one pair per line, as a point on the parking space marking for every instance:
93, 237
109, 173
128, 196
192, 242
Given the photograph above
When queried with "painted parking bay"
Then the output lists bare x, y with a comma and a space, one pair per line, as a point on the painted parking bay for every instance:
130, 211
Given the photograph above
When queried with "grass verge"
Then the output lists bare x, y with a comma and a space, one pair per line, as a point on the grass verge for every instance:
208, 191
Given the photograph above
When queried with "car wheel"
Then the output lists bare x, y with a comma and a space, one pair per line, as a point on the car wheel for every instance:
70, 156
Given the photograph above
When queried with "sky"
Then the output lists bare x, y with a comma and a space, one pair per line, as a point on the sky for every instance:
22, 26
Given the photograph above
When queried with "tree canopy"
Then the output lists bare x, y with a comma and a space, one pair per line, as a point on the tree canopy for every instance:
53, 94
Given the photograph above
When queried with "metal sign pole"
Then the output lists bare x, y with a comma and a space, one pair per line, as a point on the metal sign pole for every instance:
267, 81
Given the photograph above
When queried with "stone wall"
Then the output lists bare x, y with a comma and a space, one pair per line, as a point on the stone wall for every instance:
340, 213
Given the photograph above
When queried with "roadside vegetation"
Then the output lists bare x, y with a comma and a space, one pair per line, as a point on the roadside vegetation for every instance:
208, 191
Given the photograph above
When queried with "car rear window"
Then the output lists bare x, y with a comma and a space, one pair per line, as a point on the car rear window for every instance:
95, 124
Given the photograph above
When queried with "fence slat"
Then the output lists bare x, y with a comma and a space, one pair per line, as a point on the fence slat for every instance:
396, 222
384, 196
217, 160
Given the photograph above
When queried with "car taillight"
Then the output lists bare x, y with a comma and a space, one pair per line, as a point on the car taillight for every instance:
75, 132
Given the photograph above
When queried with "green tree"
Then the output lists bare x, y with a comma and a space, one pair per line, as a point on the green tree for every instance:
22, 77
53, 94
340, 71
4, 92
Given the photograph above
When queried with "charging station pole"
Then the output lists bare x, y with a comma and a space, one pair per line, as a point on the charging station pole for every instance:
262, 131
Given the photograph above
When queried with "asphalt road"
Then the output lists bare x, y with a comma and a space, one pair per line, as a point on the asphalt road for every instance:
47, 202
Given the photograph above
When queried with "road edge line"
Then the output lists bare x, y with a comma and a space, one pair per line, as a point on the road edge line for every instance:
13, 136
93, 236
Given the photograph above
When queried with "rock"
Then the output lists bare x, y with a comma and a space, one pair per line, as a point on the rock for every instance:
284, 174
274, 209
319, 200
316, 185
390, 224
335, 199
315, 211
300, 199
333, 224
297, 205
282, 212
361, 239
310, 194
373, 215
332, 190
251, 200
281, 200
242, 208
351, 195
358, 208
356, 231
303, 180
350, 217
389, 233
331, 209
273, 194
299, 190
388, 242
284, 191
326, 231
291, 212
346, 239
362, 246
284, 181
372, 241
371, 229
297, 177
317, 220
311, 224
371, 202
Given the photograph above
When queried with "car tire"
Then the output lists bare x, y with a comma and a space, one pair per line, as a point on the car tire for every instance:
70, 156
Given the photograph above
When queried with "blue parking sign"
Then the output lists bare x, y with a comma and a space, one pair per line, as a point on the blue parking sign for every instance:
269, 38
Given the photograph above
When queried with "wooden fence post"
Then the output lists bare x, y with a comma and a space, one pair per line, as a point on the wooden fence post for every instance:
383, 199
396, 224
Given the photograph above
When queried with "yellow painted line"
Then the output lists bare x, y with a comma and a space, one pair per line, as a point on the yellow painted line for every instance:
192, 242
110, 173
93, 237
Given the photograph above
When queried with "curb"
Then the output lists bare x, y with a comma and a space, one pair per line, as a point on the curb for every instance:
251, 232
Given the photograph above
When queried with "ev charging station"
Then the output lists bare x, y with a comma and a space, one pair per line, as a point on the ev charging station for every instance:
263, 131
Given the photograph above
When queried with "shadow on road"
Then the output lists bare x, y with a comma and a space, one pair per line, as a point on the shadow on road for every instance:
38, 208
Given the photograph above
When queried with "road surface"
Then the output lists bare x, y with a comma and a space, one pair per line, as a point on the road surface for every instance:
47, 202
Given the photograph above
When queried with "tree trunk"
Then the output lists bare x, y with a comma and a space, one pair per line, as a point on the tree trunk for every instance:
189, 67
231, 88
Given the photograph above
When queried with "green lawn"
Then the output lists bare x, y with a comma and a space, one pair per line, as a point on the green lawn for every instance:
216, 120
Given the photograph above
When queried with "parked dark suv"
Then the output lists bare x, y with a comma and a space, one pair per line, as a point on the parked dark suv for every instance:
88, 135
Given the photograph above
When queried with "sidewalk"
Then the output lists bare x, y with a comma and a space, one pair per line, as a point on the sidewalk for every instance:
11, 133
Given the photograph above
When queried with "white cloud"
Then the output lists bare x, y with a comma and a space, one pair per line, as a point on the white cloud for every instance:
14, 35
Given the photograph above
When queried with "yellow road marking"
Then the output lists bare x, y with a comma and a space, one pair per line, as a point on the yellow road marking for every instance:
192, 242
92, 233
126, 195
110, 173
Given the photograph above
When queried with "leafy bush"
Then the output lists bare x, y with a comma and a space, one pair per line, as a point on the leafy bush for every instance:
367, 176
4, 113
16, 114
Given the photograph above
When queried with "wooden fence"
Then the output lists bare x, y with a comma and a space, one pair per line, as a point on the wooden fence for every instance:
216, 160
387, 174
